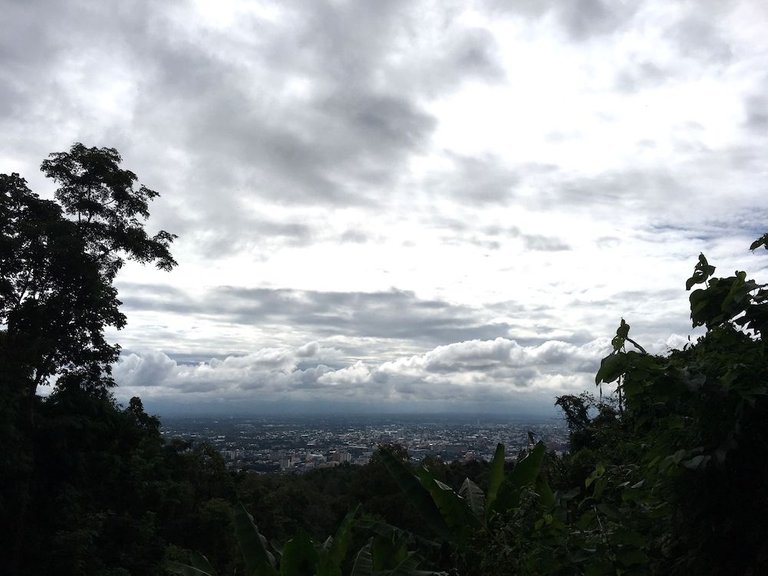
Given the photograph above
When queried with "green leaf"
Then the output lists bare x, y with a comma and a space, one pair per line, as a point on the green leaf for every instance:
474, 497
527, 470
200, 562
257, 559
596, 473
623, 330
701, 272
387, 552
453, 508
693, 280
363, 565
299, 556
696, 462
762, 241
416, 494
524, 474
611, 367
338, 549
545, 492
496, 478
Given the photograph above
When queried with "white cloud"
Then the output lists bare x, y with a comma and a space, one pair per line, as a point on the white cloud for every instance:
355, 375
475, 371
396, 200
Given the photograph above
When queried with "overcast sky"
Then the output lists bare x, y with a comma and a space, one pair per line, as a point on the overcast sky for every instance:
385, 205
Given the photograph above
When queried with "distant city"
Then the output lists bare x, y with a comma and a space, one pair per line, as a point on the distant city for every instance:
298, 444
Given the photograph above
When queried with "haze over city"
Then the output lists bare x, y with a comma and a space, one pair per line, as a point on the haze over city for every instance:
402, 206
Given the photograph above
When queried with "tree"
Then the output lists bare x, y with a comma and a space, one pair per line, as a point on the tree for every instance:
58, 261
680, 486
108, 208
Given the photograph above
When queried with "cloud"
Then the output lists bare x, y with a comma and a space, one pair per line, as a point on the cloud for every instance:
149, 369
377, 198
501, 358
356, 374
583, 19
544, 243
641, 74
393, 314
756, 113
482, 179
473, 371
699, 37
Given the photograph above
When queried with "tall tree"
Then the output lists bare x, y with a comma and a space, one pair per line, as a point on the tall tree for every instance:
58, 262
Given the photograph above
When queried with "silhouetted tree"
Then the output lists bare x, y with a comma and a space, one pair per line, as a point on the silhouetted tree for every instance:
58, 261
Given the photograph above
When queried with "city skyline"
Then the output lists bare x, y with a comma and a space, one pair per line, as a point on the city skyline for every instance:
302, 444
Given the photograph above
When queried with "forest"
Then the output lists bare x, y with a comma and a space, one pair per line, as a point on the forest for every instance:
666, 472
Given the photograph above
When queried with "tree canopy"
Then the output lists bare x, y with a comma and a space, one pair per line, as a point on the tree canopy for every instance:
58, 260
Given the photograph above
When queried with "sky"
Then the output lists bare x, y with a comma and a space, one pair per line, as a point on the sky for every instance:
402, 206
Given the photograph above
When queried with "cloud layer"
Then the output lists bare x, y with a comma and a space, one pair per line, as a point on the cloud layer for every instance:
497, 375
444, 197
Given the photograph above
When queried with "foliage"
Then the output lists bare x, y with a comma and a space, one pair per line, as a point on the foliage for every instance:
383, 554
58, 260
678, 470
666, 475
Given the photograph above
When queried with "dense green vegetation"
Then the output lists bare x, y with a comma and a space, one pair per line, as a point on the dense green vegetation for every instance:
667, 470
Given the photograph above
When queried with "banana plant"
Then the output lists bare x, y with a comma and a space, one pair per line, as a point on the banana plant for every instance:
385, 554
388, 555
456, 517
